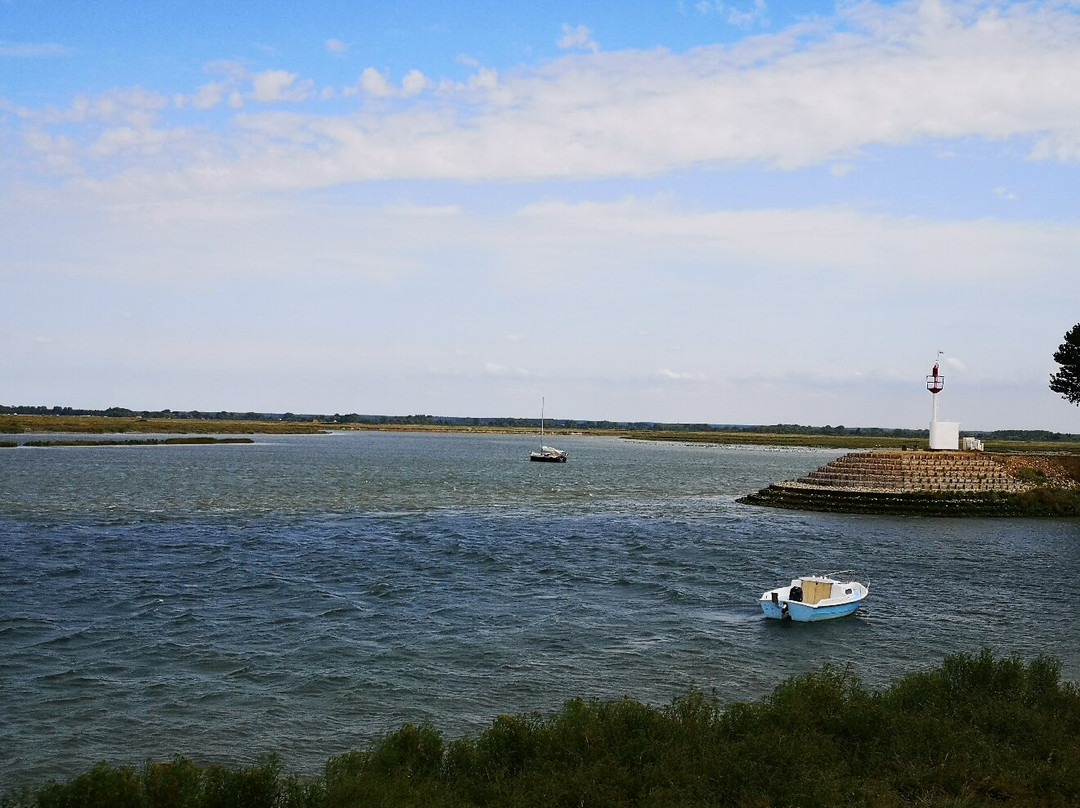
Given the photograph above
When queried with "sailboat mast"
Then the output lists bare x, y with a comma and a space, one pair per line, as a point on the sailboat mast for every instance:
541, 419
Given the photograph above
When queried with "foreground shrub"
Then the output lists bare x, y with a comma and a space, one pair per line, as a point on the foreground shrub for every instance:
1048, 501
977, 731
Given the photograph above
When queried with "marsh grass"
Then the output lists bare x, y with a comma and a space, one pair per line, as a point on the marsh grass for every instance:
807, 440
100, 424
977, 731
187, 441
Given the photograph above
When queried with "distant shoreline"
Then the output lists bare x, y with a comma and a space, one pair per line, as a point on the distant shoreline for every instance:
824, 438
186, 441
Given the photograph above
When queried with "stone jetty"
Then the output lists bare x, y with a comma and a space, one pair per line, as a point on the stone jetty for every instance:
932, 483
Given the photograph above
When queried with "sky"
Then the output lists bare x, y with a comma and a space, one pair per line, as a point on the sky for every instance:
746, 212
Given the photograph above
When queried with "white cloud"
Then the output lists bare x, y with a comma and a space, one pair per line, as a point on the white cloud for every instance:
132, 104
755, 14
336, 47
31, 50
1062, 145
128, 139
378, 85
901, 75
230, 69
211, 94
423, 210
743, 15
677, 376
413, 83
56, 154
799, 98
577, 38
15, 109
485, 78
375, 83
208, 95
280, 85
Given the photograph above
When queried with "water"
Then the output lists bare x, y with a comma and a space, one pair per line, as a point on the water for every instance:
308, 594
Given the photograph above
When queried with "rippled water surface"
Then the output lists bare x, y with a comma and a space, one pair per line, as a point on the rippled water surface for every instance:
307, 594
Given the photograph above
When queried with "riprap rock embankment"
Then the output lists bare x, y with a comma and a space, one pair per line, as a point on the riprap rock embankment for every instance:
923, 482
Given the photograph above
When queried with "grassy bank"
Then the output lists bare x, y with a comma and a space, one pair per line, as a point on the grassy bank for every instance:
100, 425
821, 441
739, 438
976, 731
192, 441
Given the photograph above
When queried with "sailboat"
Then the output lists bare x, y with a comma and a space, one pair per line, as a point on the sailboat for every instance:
547, 454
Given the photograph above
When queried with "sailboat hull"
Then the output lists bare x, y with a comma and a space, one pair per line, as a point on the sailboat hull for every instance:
544, 457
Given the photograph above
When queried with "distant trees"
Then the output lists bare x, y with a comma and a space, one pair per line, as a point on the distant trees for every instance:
1067, 380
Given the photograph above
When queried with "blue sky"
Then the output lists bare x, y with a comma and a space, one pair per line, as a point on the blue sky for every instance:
730, 212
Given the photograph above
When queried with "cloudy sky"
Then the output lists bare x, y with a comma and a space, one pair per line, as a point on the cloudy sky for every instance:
731, 212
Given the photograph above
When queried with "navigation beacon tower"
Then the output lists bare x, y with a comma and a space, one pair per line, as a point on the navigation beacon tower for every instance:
943, 434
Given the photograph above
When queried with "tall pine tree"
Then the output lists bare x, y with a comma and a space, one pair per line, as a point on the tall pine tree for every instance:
1067, 380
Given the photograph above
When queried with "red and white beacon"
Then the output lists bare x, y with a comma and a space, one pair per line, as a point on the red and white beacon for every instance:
943, 434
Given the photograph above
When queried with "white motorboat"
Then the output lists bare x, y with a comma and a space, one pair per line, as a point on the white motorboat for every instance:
814, 597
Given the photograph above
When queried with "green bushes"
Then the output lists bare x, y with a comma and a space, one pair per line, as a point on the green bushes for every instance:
1048, 502
978, 730
188, 441
983, 729
179, 783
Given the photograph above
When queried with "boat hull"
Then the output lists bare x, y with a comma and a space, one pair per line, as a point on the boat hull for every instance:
548, 454
539, 458
801, 613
